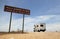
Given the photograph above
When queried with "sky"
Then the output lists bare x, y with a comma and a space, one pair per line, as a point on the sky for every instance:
41, 11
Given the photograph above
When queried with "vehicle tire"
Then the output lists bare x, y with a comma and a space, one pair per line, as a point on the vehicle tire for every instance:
34, 30
38, 30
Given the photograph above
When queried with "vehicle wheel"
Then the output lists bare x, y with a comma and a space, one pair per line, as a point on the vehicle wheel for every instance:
38, 30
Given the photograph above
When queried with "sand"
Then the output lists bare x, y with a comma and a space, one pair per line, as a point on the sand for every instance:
31, 35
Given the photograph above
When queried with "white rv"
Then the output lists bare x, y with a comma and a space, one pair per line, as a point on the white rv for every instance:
40, 27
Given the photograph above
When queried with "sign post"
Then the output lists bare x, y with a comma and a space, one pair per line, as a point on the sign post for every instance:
23, 24
10, 21
16, 10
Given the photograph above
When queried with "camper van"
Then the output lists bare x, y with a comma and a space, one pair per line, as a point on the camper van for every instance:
40, 27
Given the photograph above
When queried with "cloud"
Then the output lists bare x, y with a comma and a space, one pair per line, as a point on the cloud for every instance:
46, 17
53, 27
30, 21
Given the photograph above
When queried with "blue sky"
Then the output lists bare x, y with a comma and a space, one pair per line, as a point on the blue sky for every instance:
46, 11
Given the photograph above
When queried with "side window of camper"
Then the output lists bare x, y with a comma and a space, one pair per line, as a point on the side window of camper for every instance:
41, 25
37, 26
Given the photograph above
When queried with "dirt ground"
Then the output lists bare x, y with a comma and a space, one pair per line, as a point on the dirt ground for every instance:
31, 35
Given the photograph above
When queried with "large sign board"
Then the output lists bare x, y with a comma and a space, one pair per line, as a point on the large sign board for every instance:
16, 10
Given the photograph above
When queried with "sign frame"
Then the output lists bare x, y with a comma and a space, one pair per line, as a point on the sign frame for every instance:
16, 10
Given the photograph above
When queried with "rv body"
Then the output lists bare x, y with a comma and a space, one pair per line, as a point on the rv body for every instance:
40, 27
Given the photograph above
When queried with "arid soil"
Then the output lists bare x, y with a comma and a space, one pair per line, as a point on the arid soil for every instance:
31, 35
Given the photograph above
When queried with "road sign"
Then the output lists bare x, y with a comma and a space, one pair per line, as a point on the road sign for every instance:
16, 10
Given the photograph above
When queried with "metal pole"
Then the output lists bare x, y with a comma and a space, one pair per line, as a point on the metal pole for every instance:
23, 24
10, 21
